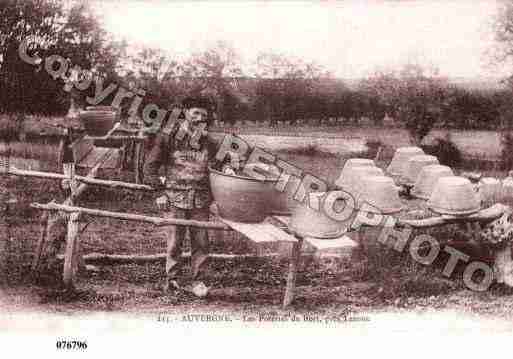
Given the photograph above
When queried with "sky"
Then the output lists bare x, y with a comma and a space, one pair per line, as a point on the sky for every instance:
350, 38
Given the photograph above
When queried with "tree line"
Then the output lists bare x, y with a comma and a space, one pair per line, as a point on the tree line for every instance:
278, 89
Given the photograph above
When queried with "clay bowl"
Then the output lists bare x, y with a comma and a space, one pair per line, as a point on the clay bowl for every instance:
454, 196
283, 202
381, 194
414, 166
98, 122
283, 198
352, 179
352, 163
428, 178
507, 189
489, 189
401, 157
241, 199
308, 221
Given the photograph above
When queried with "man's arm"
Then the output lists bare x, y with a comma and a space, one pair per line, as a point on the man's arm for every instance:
213, 147
157, 158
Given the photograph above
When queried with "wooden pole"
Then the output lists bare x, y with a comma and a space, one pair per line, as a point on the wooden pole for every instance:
5, 233
58, 218
503, 266
483, 216
5, 236
71, 256
290, 290
86, 180
40, 243
113, 259
138, 159
72, 253
118, 138
157, 221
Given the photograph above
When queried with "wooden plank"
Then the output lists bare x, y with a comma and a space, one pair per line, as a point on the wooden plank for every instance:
321, 244
337, 243
97, 153
81, 148
260, 232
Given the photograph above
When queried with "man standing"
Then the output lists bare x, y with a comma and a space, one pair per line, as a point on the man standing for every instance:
185, 151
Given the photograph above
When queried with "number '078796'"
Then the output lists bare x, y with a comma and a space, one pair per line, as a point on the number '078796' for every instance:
71, 344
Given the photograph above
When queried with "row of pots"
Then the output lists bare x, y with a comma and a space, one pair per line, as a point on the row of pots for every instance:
246, 199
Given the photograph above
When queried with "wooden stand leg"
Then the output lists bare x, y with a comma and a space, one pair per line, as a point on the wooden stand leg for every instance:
41, 243
290, 290
138, 159
72, 254
136, 163
4, 237
503, 266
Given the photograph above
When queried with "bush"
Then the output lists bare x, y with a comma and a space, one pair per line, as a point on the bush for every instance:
507, 150
446, 152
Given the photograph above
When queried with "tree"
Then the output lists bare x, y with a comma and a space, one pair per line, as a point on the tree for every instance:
72, 32
287, 87
54, 28
416, 96
210, 72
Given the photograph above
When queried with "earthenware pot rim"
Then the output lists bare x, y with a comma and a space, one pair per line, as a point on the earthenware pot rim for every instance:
211, 170
418, 195
443, 211
331, 235
382, 211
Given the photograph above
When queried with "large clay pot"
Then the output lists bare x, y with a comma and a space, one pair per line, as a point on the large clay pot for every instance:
506, 193
454, 196
242, 199
314, 221
352, 180
427, 180
283, 202
401, 157
350, 165
98, 122
381, 194
414, 166
489, 190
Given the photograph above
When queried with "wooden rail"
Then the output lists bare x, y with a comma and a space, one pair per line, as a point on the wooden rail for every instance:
87, 179
157, 221
485, 215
